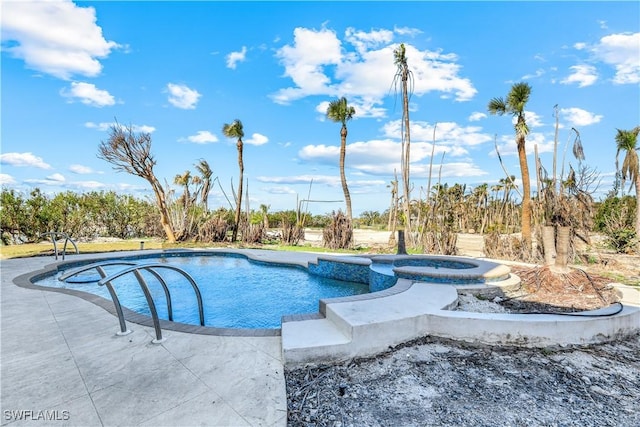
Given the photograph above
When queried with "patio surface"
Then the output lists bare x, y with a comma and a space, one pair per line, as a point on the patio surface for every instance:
61, 359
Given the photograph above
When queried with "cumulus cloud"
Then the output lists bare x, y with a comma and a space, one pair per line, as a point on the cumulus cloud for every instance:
622, 51
58, 38
476, 115
583, 75
446, 133
579, 117
256, 139
507, 144
6, 179
234, 57
57, 177
88, 94
105, 126
202, 137
80, 169
364, 41
23, 160
319, 63
382, 157
181, 96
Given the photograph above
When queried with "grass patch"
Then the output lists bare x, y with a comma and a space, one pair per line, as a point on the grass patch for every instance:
46, 248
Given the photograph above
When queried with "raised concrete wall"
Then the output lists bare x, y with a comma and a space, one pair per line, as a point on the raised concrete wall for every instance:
367, 327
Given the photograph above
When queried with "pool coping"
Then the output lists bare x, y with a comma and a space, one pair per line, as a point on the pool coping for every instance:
352, 325
25, 281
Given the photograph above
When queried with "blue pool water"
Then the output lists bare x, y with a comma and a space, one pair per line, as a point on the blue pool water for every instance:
236, 292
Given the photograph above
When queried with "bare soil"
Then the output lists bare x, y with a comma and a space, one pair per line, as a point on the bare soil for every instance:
435, 382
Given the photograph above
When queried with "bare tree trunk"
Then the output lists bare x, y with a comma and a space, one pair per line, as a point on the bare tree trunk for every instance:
549, 244
234, 235
563, 243
526, 193
161, 201
343, 178
406, 157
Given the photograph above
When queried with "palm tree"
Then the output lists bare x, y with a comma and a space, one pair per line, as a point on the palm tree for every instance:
627, 140
515, 104
404, 74
234, 130
205, 173
339, 112
184, 180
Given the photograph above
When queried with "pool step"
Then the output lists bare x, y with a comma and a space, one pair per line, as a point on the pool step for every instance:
363, 327
310, 341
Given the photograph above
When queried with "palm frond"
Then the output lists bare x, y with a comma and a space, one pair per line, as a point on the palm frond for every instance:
497, 106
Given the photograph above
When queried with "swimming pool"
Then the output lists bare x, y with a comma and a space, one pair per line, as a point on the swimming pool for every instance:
236, 292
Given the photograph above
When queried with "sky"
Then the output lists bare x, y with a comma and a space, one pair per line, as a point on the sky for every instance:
181, 70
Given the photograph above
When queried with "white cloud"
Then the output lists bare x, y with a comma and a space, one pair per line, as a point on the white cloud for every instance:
257, 139
234, 57
202, 137
476, 115
88, 94
539, 72
330, 180
622, 51
382, 157
105, 126
55, 37
583, 75
364, 41
319, 64
80, 169
533, 119
579, 117
280, 189
56, 177
507, 145
89, 185
181, 96
23, 159
447, 133
6, 179
406, 31
304, 62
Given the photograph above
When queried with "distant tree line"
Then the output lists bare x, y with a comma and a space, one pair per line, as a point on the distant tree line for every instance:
482, 209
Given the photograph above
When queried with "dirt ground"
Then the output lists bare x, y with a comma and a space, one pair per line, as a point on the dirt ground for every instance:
437, 382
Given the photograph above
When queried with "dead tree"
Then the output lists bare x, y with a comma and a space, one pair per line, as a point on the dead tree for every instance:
130, 152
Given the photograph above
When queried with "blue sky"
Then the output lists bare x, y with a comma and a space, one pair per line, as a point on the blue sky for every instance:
180, 70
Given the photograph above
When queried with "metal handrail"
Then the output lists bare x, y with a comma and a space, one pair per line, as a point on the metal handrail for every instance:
53, 235
114, 297
106, 281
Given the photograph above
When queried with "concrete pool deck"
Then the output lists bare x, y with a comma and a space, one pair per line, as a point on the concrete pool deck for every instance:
61, 358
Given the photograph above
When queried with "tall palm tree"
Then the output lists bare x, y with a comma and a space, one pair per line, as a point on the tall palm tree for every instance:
627, 140
405, 76
514, 104
205, 173
340, 112
234, 130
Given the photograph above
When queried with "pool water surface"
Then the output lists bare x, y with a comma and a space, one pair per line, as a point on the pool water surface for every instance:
236, 292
